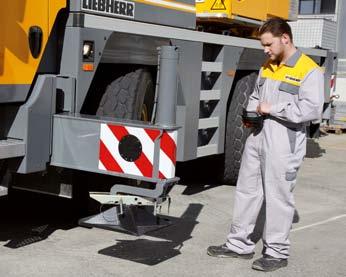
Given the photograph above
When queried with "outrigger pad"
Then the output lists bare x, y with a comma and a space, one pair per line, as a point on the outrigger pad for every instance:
136, 220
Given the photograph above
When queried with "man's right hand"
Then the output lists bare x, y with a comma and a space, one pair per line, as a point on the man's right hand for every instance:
247, 124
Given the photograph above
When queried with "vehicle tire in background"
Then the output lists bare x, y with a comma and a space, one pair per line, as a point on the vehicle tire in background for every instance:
236, 134
130, 96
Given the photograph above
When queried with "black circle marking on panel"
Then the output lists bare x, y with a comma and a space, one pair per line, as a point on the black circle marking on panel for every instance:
130, 148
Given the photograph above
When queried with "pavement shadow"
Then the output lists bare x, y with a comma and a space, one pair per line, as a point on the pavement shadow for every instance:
313, 149
29, 218
153, 252
199, 175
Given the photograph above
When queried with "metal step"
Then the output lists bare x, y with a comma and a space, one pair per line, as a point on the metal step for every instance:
212, 66
207, 150
211, 122
213, 94
11, 148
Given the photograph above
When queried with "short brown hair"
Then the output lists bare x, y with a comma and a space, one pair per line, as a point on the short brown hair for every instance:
277, 27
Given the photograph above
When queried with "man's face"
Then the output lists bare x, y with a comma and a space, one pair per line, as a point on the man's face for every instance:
273, 46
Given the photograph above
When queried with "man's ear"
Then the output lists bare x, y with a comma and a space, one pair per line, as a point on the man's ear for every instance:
285, 38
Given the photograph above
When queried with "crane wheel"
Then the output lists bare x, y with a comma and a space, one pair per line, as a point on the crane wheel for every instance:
130, 96
236, 134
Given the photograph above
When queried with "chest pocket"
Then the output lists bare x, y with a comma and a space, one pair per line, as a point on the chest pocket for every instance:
289, 88
288, 92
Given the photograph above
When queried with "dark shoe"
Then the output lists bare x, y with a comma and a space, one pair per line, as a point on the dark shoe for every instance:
268, 263
222, 251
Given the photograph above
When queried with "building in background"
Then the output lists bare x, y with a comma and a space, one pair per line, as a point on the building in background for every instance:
322, 23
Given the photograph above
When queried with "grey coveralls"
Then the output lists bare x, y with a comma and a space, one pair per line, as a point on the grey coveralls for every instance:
273, 155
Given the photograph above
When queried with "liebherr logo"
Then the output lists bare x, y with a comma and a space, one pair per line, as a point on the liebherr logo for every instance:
291, 78
110, 7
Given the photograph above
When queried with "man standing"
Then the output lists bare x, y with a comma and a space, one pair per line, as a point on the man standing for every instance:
288, 94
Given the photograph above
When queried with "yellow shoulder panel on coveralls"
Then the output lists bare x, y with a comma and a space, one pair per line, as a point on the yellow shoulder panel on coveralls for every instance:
293, 72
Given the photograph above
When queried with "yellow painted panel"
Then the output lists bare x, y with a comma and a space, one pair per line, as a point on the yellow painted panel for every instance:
54, 7
214, 7
17, 66
253, 9
278, 8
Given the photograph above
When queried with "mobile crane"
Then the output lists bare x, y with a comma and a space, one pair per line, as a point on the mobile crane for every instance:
124, 88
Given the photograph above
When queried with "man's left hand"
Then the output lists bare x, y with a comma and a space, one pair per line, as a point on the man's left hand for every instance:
264, 108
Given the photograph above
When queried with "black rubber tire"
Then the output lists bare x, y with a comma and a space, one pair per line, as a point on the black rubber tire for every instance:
236, 134
125, 96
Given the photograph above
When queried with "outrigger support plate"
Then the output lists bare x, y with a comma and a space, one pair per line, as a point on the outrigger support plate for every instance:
135, 209
135, 220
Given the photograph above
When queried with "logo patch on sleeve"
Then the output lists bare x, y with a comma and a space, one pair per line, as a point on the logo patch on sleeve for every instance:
110, 7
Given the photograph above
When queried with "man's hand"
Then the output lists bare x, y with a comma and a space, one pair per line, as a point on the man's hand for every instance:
264, 108
247, 124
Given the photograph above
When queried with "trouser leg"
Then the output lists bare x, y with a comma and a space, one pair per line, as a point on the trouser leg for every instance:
248, 201
279, 182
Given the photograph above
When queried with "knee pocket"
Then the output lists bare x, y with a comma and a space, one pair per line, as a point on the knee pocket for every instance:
291, 175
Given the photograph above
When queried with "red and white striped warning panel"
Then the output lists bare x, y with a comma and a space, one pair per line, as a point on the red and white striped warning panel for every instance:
332, 82
130, 150
168, 147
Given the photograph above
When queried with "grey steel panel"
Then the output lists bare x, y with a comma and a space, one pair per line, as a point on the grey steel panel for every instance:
71, 62
146, 29
132, 49
341, 37
189, 80
177, 13
11, 148
76, 141
32, 124
231, 58
108, 120
330, 67
13, 93
66, 93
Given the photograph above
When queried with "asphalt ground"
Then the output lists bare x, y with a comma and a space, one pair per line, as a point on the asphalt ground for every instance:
39, 235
